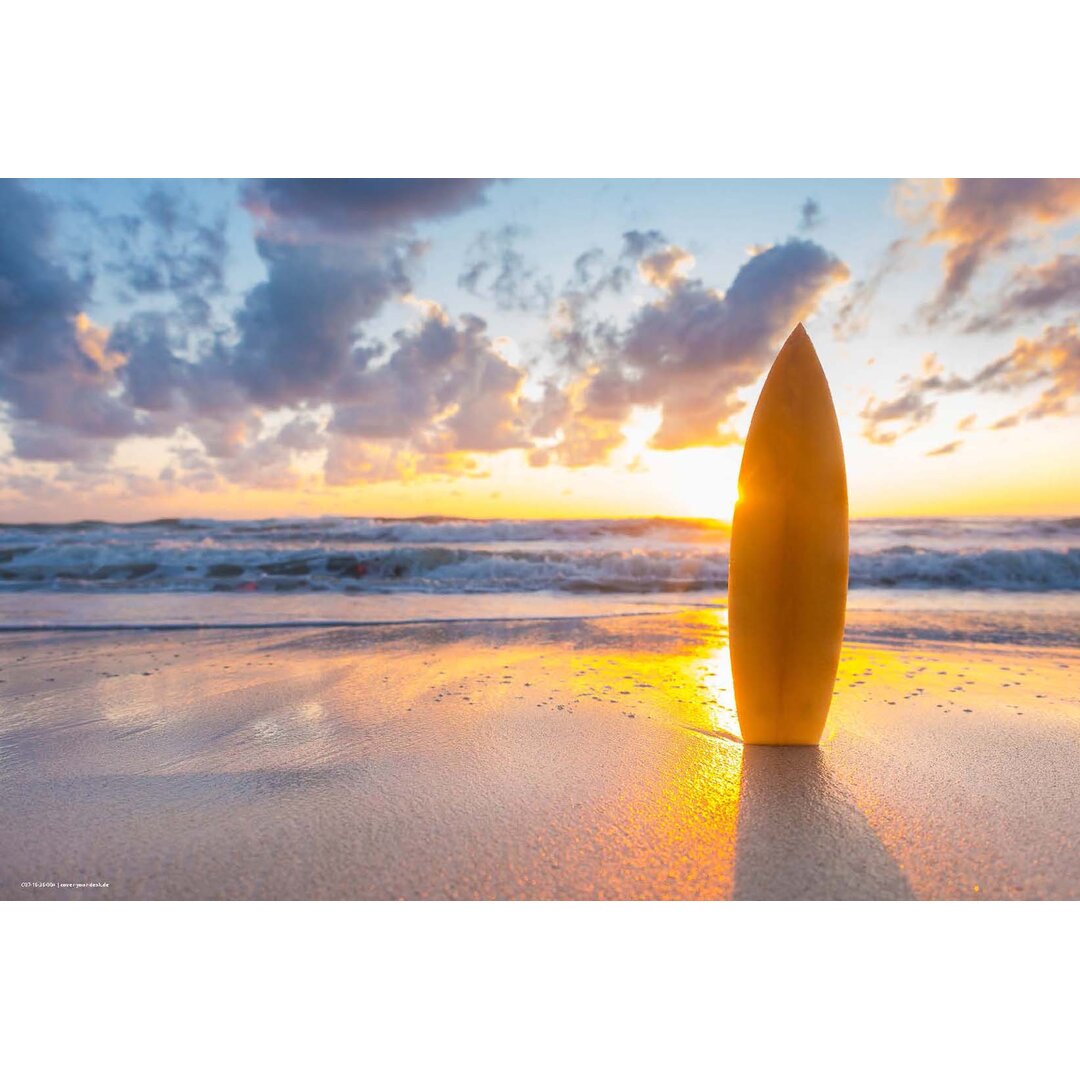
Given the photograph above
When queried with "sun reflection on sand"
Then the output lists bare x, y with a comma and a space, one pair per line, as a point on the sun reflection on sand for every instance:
575, 758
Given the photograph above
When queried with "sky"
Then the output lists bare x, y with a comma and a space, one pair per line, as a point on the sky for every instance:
492, 348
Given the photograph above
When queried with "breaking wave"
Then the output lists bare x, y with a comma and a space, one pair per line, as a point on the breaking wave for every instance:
452, 555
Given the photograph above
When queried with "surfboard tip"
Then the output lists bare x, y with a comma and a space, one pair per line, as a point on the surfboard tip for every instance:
798, 346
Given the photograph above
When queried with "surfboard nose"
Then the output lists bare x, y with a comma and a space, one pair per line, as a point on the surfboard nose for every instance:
798, 345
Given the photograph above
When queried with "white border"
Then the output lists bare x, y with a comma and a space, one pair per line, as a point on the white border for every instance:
568, 88
551, 990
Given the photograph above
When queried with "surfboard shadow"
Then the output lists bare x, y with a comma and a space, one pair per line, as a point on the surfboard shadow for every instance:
800, 837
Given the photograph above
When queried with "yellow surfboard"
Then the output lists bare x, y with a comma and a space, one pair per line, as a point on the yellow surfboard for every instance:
788, 570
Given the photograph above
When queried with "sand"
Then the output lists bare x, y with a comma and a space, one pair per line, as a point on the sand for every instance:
584, 758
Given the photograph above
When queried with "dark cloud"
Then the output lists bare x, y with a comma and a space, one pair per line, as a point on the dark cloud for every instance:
575, 335
299, 337
979, 218
294, 370
296, 340
638, 243
443, 388
809, 215
174, 251
84, 388
170, 248
155, 378
72, 389
57, 375
38, 296
498, 271
592, 277
362, 206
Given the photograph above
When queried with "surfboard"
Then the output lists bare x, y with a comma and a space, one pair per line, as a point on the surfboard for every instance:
788, 566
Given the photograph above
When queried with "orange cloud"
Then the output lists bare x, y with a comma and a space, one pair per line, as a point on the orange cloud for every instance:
1053, 358
93, 342
978, 218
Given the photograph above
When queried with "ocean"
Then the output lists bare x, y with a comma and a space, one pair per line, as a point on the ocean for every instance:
1004, 571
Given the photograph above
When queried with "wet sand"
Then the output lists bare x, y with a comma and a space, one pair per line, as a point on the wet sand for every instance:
591, 758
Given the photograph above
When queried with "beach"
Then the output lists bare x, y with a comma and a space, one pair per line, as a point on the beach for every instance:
581, 757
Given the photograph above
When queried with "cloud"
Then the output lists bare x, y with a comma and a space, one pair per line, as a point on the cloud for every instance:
976, 219
73, 389
886, 421
592, 278
361, 206
171, 249
552, 411
588, 431
38, 296
265, 463
809, 215
155, 377
297, 337
58, 375
293, 378
1034, 291
299, 340
908, 412
948, 448
691, 351
444, 388
302, 433
588, 440
575, 335
665, 268
353, 461
853, 316
498, 271
688, 352
1052, 361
